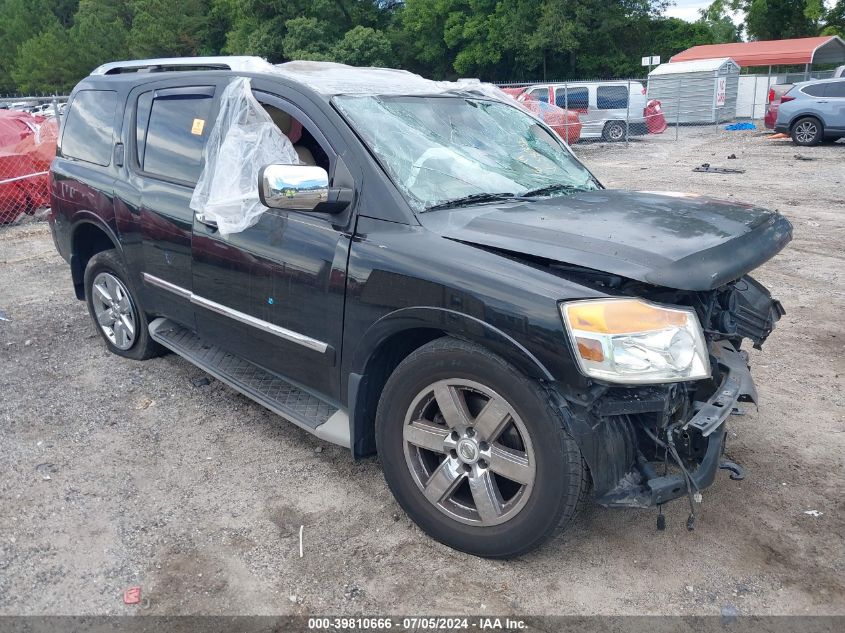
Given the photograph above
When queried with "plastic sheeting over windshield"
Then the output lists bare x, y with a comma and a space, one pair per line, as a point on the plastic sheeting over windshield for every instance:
438, 149
242, 141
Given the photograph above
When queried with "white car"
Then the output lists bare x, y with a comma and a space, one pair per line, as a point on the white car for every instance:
603, 106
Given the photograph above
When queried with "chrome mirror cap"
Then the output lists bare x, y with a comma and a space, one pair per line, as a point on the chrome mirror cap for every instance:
299, 187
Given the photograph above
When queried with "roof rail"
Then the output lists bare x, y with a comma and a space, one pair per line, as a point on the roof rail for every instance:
222, 62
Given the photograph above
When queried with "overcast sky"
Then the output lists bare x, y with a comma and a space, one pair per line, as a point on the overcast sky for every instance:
688, 9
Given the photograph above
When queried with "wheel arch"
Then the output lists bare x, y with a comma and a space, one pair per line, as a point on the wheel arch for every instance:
395, 336
805, 115
89, 236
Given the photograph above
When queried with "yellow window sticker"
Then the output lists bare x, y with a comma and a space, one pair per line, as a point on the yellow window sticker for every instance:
198, 126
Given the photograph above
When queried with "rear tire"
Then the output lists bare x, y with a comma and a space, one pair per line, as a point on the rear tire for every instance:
807, 131
115, 308
474, 451
614, 131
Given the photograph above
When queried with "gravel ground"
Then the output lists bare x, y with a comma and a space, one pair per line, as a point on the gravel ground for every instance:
115, 473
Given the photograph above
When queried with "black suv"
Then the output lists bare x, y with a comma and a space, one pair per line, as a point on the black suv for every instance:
421, 270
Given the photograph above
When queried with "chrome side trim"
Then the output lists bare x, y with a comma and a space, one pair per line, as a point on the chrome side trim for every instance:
284, 333
184, 293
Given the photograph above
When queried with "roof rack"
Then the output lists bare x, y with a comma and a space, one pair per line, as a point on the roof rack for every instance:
222, 62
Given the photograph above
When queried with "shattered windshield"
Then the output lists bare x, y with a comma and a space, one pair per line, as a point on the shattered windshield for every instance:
448, 149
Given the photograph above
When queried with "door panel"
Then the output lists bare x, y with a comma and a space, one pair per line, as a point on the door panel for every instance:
274, 292
286, 271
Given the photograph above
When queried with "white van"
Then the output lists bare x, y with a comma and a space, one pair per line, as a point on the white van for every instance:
604, 106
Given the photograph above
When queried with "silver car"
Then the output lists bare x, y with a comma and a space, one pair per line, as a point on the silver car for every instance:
603, 106
813, 111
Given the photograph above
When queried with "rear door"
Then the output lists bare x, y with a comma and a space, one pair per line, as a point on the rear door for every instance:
167, 125
612, 103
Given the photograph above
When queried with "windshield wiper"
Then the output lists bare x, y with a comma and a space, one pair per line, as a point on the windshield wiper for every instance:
475, 198
542, 191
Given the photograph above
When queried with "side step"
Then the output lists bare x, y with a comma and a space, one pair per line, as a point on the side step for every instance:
270, 390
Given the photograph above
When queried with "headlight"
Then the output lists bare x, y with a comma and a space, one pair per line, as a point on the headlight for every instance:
633, 341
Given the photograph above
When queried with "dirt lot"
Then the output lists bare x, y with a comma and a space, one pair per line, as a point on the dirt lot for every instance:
197, 495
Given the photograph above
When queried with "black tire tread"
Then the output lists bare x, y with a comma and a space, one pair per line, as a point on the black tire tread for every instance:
818, 122
578, 479
145, 347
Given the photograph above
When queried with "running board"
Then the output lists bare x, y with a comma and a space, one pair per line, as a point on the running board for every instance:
270, 390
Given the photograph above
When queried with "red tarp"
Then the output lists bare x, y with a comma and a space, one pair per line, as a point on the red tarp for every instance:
27, 146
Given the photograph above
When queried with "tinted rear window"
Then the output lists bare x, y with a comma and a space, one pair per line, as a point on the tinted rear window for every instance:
612, 97
814, 90
176, 135
88, 126
540, 94
835, 89
579, 98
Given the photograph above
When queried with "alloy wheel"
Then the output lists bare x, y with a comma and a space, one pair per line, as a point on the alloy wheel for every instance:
806, 132
469, 452
114, 310
615, 132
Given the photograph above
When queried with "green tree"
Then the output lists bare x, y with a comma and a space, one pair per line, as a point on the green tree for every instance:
98, 35
363, 46
720, 25
162, 29
418, 36
307, 38
20, 20
44, 63
835, 20
777, 19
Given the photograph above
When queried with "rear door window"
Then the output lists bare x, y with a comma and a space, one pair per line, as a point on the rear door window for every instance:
835, 89
540, 94
579, 98
171, 143
612, 97
88, 126
814, 90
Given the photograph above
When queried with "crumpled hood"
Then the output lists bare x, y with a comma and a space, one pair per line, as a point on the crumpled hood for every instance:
681, 241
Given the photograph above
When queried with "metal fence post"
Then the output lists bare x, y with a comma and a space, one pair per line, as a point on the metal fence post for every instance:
628, 113
754, 100
566, 107
678, 109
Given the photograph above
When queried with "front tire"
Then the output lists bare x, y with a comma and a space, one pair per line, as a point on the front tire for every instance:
115, 308
807, 131
474, 451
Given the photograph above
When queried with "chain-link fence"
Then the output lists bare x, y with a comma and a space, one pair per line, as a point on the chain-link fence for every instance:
658, 106
28, 132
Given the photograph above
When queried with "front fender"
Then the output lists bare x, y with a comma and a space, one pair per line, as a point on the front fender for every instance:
453, 323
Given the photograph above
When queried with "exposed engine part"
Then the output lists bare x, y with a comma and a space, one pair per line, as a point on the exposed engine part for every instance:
748, 311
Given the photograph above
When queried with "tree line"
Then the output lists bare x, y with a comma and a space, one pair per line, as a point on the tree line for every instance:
48, 45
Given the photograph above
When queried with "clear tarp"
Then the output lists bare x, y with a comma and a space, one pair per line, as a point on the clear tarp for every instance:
330, 78
242, 141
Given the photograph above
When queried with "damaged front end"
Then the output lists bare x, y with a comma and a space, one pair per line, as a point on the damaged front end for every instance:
648, 444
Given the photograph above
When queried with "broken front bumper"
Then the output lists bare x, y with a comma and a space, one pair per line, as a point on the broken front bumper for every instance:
643, 487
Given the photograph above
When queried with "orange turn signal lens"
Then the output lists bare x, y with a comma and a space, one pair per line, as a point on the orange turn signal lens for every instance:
622, 316
590, 349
